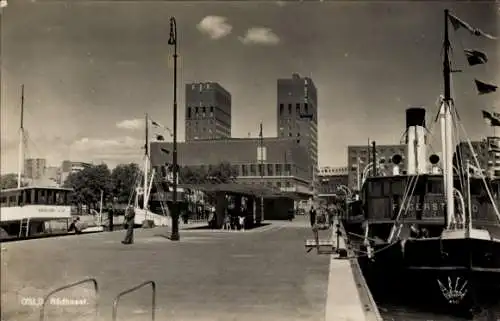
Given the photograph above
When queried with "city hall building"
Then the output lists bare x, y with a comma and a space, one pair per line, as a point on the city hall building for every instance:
285, 162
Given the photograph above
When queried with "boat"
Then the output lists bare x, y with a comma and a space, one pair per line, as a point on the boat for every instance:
26, 211
144, 216
431, 235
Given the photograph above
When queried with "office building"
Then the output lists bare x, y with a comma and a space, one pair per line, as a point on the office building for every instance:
68, 167
285, 163
34, 168
487, 153
330, 180
208, 111
360, 158
297, 115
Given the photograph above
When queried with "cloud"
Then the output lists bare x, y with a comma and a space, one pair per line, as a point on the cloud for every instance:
215, 27
260, 36
281, 3
3, 3
107, 145
132, 124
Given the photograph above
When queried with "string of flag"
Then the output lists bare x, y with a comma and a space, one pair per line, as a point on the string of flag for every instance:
474, 58
157, 125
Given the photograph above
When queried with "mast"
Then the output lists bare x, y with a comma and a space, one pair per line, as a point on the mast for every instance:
21, 140
447, 126
146, 159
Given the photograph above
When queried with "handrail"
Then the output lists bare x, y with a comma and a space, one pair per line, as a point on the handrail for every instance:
135, 288
96, 289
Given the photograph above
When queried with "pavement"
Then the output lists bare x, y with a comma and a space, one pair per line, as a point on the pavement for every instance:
260, 274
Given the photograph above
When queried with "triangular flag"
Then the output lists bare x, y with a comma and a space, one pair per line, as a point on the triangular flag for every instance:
155, 124
457, 23
475, 57
491, 119
484, 88
160, 137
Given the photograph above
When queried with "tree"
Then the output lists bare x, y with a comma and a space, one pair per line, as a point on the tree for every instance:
124, 179
192, 175
88, 183
9, 181
222, 173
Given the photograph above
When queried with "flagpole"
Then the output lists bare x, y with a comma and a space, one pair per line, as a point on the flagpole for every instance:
261, 163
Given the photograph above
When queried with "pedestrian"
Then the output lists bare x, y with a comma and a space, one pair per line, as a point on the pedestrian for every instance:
242, 222
130, 220
312, 216
227, 222
111, 212
76, 226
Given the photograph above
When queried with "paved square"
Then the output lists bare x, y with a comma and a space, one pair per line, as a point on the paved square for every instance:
251, 275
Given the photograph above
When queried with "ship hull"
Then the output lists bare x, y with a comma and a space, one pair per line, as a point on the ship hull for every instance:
457, 275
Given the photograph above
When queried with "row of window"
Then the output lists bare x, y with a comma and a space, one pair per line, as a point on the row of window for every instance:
297, 110
34, 197
265, 170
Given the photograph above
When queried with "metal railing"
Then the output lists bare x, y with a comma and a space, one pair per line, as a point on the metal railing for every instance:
135, 288
68, 286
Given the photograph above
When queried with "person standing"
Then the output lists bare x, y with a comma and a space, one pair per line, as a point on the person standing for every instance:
312, 216
129, 220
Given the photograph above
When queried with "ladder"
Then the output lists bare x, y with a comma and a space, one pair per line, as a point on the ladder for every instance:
24, 228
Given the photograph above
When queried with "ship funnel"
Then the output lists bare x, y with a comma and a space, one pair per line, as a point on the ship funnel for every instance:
396, 160
434, 160
416, 141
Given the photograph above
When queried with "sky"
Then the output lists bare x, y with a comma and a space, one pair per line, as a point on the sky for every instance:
92, 69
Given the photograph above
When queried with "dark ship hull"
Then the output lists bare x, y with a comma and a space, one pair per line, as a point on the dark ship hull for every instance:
460, 276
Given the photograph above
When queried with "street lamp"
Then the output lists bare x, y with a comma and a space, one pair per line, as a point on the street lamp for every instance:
172, 41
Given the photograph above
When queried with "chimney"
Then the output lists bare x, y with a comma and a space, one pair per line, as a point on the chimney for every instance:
416, 141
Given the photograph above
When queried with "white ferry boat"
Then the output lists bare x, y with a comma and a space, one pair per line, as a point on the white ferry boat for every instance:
26, 211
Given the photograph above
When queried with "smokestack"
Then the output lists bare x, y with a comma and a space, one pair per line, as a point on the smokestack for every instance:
416, 141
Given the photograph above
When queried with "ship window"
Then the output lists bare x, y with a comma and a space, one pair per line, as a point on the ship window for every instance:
3, 201
387, 188
12, 200
27, 196
375, 189
435, 187
397, 188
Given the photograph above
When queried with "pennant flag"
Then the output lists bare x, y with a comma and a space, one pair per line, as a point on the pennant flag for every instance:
484, 88
155, 124
160, 137
475, 57
491, 119
458, 23
166, 151
494, 146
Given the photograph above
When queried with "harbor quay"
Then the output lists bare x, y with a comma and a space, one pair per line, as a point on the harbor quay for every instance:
261, 274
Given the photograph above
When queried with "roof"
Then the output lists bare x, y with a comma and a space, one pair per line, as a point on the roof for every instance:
39, 187
237, 188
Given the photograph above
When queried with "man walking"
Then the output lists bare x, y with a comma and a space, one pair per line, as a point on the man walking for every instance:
129, 220
312, 216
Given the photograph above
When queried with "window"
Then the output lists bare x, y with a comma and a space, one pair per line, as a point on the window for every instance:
278, 184
306, 108
196, 111
253, 170
289, 109
3, 201
297, 110
261, 170
282, 107
244, 170
189, 113
270, 169
288, 169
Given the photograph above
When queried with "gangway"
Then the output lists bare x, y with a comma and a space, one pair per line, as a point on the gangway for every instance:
116, 301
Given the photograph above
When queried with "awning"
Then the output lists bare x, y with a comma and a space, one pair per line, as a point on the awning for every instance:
236, 188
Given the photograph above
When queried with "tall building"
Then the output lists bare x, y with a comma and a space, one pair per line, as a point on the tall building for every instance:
34, 168
68, 167
359, 157
298, 116
208, 111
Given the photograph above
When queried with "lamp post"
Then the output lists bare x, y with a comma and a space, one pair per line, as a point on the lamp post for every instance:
172, 41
